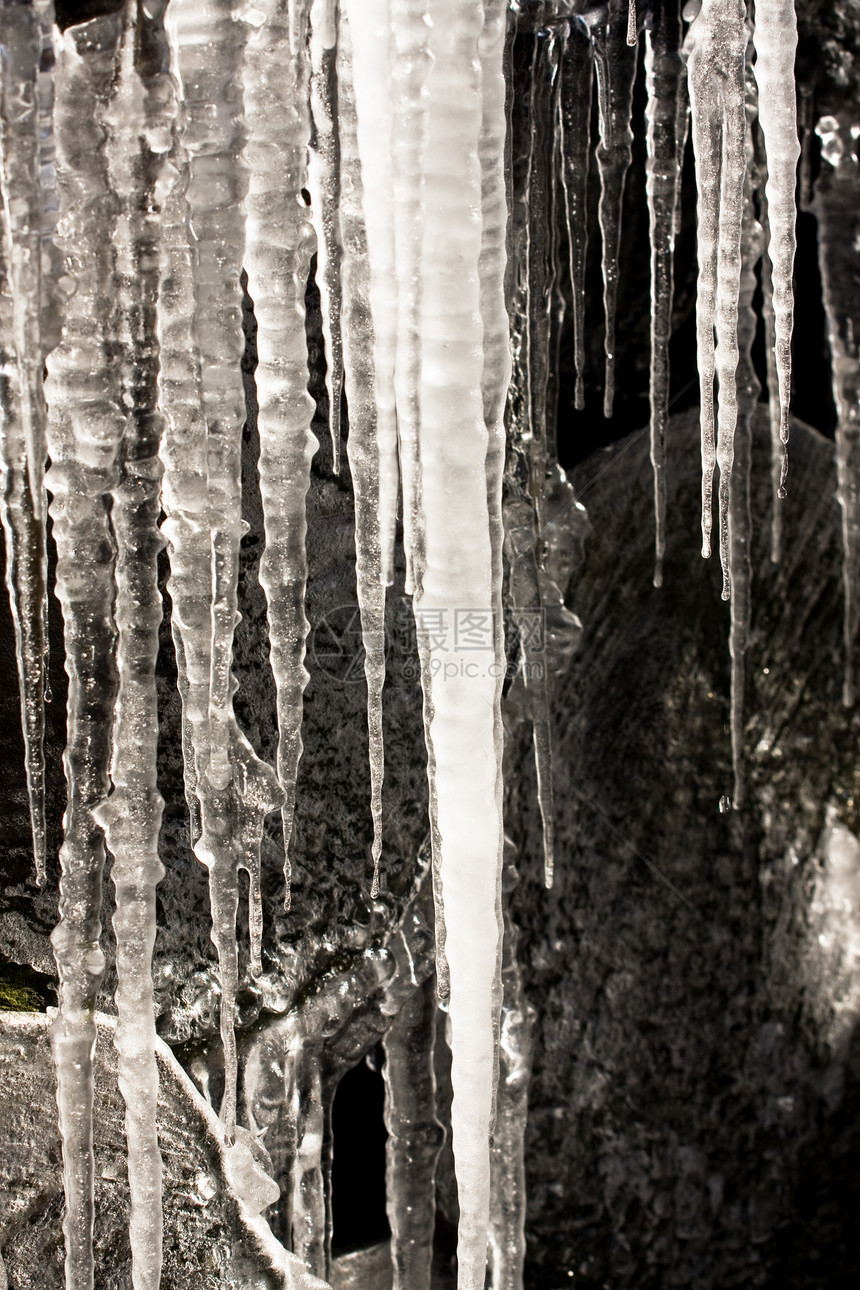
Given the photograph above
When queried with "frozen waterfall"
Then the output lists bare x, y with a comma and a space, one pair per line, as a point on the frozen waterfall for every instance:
165, 166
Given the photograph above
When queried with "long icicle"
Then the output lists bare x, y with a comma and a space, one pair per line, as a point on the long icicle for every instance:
363, 443
458, 587
235, 789
740, 519
615, 64
718, 40
775, 40
837, 210
25, 338
139, 121
85, 427
577, 56
777, 447
496, 337
323, 180
665, 84
410, 67
370, 27
277, 258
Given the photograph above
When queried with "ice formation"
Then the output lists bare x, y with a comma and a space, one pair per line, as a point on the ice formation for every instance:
196, 139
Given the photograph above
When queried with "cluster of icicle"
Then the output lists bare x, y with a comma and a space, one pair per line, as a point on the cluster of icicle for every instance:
145, 159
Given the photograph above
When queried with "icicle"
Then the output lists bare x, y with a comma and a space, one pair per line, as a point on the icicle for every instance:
575, 127
203, 497
371, 72
540, 236
666, 89
324, 179
492, 270
414, 1138
85, 426
777, 448
363, 442
740, 521
410, 69
837, 209
522, 538
632, 29
277, 259
775, 39
138, 121
508, 1210
455, 602
26, 334
615, 64
309, 1221
717, 41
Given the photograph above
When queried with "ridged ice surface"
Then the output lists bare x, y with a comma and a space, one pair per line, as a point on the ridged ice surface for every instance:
86, 426
717, 44
176, 145
775, 39
28, 330
666, 117
615, 64
279, 242
139, 139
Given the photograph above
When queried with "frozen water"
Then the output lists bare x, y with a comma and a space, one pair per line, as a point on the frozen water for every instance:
182, 160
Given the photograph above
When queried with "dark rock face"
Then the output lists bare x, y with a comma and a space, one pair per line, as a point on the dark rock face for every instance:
692, 1114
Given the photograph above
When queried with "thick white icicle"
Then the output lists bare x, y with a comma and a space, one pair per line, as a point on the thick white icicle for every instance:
455, 603
363, 443
615, 64
26, 334
370, 28
718, 41
203, 498
323, 180
775, 40
666, 85
277, 258
85, 426
410, 68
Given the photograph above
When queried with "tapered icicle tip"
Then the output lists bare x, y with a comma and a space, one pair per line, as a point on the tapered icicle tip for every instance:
609, 389
848, 687
579, 397
658, 572
376, 853
631, 23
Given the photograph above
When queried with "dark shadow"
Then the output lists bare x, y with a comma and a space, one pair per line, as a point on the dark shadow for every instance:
358, 1169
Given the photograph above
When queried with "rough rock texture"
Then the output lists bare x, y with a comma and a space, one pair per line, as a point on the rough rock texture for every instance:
693, 1111
211, 1239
